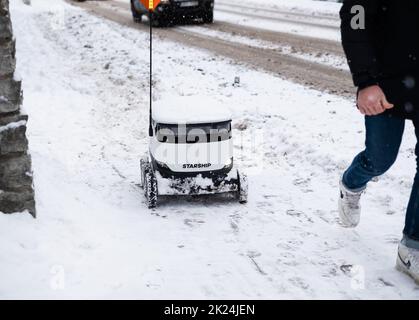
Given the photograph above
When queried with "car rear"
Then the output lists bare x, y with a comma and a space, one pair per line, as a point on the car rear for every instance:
186, 8
168, 11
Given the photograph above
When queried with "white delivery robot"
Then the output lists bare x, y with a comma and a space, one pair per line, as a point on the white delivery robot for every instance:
190, 151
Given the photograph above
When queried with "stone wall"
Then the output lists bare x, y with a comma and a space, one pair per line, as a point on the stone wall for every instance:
16, 188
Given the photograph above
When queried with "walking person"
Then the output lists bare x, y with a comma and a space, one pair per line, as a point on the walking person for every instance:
381, 41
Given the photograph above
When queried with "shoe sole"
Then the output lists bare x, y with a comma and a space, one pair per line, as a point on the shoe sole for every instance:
402, 268
345, 224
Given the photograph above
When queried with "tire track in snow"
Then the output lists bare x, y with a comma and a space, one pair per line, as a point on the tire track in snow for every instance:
318, 16
278, 19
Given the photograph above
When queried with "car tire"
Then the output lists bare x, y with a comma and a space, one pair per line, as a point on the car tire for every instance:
208, 16
137, 17
150, 188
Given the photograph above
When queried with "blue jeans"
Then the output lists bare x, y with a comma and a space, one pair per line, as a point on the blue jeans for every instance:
384, 134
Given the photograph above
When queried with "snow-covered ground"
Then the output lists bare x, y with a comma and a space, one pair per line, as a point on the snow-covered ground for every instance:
85, 88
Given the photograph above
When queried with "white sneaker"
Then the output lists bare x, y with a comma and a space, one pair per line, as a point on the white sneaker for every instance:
349, 206
408, 261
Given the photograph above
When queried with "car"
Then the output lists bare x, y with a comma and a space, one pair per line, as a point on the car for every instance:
168, 11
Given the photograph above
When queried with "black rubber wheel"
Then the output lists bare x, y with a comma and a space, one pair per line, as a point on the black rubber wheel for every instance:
243, 190
135, 15
150, 188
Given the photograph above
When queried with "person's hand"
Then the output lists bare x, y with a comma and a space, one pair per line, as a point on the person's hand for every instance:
373, 101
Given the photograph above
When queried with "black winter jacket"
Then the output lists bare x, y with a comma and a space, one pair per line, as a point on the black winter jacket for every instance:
386, 52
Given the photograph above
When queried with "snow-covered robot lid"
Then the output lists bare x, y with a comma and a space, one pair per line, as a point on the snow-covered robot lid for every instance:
190, 110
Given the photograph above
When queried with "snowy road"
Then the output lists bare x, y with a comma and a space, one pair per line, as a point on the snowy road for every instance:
305, 60
85, 88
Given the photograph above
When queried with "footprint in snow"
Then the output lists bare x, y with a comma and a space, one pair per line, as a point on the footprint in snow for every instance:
385, 282
299, 283
193, 222
392, 239
299, 214
234, 225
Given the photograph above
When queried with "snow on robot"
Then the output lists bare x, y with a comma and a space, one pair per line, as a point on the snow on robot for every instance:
190, 151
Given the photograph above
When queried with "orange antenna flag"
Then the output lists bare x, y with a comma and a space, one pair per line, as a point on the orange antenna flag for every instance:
150, 4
